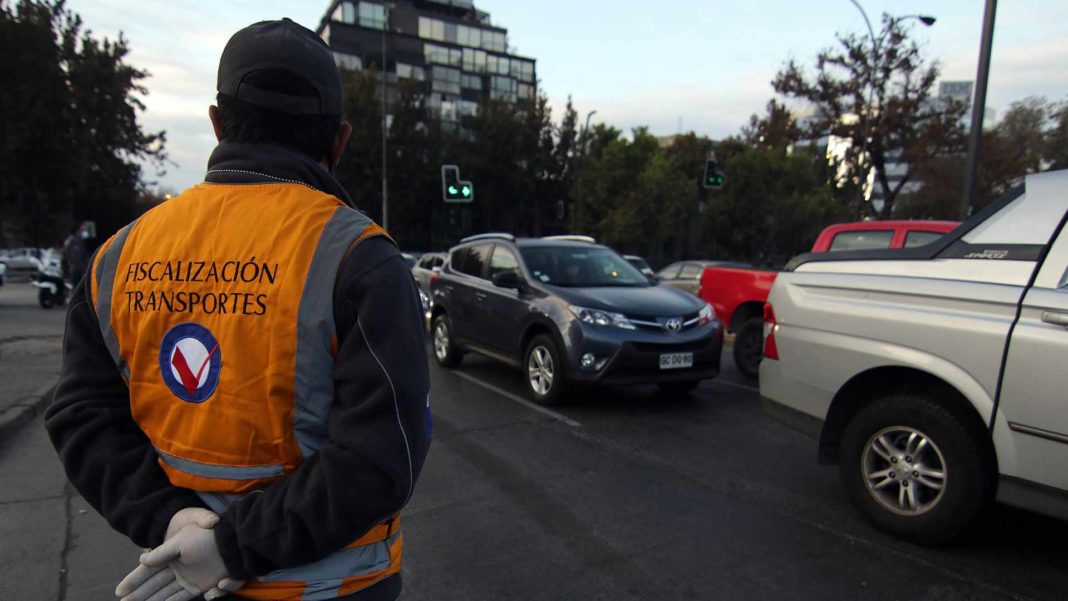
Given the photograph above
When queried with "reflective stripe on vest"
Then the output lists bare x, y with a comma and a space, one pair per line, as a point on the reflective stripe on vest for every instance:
372, 557
251, 399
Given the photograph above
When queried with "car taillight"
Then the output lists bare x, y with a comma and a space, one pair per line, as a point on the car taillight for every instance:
433, 278
771, 350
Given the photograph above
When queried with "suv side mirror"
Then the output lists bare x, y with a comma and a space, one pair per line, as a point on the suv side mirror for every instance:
506, 279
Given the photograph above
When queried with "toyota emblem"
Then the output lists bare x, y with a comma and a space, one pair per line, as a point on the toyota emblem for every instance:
673, 325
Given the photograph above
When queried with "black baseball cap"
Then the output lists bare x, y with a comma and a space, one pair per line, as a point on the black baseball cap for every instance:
281, 46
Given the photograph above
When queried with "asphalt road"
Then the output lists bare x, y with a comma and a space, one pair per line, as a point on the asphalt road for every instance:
618, 495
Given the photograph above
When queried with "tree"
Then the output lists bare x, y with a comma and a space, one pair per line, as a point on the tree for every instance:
1057, 137
1023, 142
877, 95
71, 147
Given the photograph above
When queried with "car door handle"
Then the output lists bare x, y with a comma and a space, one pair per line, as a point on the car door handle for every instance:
480, 296
1057, 319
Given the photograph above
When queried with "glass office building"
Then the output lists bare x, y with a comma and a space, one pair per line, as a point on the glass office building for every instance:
456, 56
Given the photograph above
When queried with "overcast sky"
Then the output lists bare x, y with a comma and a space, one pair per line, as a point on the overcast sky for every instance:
706, 65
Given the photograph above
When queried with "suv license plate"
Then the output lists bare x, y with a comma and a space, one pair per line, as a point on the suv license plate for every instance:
676, 360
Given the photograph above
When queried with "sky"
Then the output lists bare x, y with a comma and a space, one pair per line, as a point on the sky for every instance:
671, 65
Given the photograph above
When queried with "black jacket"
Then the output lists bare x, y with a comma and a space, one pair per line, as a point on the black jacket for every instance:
378, 428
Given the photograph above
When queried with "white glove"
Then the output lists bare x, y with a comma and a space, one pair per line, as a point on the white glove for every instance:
158, 578
193, 556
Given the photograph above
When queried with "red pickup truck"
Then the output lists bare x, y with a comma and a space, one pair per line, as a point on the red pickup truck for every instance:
738, 295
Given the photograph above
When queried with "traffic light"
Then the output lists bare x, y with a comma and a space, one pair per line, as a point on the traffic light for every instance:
454, 189
713, 178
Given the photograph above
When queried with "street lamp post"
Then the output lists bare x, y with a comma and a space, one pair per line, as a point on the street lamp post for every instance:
385, 107
971, 173
866, 124
586, 129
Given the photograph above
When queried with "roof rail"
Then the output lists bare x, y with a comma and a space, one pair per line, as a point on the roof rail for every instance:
572, 238
487, 236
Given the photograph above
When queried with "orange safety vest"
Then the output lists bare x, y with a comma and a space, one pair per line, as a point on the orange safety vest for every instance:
217, 307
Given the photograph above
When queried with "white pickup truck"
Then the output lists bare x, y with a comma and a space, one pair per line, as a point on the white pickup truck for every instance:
935, 377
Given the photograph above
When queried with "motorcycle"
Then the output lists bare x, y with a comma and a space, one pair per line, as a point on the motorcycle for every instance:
52, 289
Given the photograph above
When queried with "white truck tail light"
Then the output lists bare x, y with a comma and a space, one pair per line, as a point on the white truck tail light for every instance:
771, 350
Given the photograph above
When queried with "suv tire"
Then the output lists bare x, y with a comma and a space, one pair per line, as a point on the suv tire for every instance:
445, 351
749, 347
909, 441
543, 371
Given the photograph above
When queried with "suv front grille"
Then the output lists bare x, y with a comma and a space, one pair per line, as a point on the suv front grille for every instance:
658, 324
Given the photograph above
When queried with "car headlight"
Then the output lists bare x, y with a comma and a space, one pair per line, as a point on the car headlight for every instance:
598, 317
706, 315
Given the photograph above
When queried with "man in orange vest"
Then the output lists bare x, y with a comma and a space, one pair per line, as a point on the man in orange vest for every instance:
244, 387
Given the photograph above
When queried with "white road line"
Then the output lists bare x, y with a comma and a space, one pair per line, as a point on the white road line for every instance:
518, 399
733, 385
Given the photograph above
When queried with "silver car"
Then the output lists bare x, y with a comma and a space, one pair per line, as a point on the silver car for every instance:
934, 376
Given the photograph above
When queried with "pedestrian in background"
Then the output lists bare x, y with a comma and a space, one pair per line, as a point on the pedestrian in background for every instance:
244, 387
75, 258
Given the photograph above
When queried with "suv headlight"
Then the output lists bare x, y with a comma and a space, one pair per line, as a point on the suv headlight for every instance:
706, 315
598, 317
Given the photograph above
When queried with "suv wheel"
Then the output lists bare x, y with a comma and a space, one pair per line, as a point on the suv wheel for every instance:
749, 347
544, 371
445, 352
915, 469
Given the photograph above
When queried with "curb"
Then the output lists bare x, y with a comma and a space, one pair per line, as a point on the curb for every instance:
20, 414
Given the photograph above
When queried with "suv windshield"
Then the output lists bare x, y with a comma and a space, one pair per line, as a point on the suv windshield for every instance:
580, 267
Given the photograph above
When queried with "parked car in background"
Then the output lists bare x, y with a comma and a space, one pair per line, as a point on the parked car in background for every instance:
686, 275
641, 265
934, 376
3, 272
569, 312
410, 258
738, 294
426, 267
21, 261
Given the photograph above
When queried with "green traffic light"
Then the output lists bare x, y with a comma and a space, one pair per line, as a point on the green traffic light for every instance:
466, 191
453, 190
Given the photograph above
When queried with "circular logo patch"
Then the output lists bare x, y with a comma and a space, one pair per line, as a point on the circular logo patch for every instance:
190, 362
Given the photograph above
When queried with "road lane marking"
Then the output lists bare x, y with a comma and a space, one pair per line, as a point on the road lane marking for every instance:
518, 399
733, 385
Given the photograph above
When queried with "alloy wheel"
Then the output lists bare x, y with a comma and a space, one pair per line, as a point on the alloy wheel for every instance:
540, 370
441, 341
904, 470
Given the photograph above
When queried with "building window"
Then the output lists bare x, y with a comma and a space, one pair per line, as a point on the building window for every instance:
405, 71
326, 34
348, 61
467, 108
525, 91
472, 82
345, 13
493, 40
469, 36
441, 55
503, 87
448, 111
522, 70
431, 29
445, 80
372, 15
474, 60
497, 64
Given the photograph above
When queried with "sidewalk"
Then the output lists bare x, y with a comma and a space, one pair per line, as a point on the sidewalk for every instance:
54, 546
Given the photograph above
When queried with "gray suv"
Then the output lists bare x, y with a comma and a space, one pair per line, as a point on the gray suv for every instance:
569, 311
